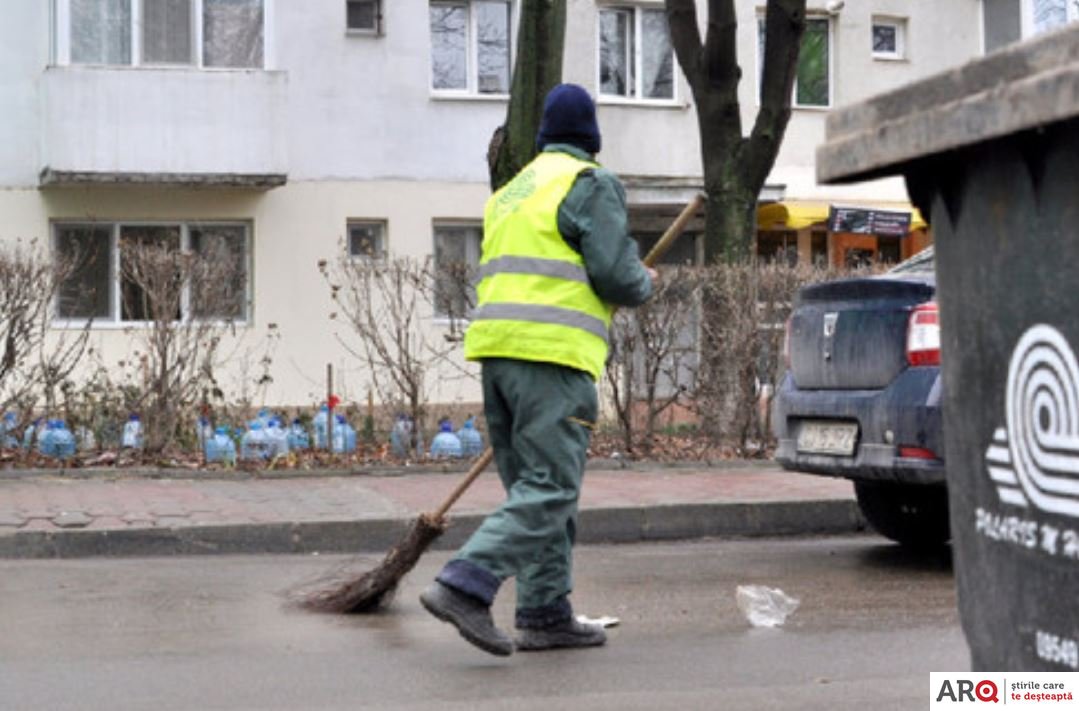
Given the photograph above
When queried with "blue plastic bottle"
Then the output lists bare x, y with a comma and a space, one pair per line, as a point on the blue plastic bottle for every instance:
298, 439
10, 441
132, 438
445, 443
33, 433
276, 438
204, 432
45, 439
254, 446
344, 436
401, 437
63, 441
221, 447
471, 439
321, 419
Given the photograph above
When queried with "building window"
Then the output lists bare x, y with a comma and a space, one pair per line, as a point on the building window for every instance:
363, 16
201, 33
635, 56
97, 267
366, 239
1046, 15
889, 38
818, 248
813, 83
100, 31
470, 47
457, 258
780, 247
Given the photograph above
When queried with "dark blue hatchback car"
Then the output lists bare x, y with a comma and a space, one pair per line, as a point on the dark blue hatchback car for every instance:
861, 397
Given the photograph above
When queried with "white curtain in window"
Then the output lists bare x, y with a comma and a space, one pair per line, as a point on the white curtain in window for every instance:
449, 34
166, 31
493, 52
101, 31
1049, 14
232, 33
657, 59
615, 52
219, 285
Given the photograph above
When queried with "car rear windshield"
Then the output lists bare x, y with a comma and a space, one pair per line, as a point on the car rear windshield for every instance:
920, 263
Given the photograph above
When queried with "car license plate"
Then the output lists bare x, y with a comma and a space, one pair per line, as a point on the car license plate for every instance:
828, 438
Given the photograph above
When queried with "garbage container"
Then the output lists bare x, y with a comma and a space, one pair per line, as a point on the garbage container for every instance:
990, 153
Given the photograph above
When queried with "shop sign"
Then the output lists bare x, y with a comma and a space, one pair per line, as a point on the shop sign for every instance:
863, 221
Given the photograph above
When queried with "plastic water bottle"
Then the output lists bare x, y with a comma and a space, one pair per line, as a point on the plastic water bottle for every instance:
254, 444
45, 439
298, 439
204, 432
344, 436
264, 416
221, 447
84, 437
321, 419
401, 437
276, 438
63, 441
445, 444
32, 434
471, 439
10, 441
132, 438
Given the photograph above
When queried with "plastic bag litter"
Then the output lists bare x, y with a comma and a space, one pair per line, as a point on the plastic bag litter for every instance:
764, 606
604, 621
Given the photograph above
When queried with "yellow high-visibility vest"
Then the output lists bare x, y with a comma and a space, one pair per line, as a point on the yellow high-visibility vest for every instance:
534, 299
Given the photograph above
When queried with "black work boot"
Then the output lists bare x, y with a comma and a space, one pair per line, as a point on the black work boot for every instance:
470, 616
569, 633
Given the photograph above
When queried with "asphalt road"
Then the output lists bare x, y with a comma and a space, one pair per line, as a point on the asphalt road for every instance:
212, 633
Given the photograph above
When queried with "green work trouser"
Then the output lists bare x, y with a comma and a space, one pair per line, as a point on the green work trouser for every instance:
539, 417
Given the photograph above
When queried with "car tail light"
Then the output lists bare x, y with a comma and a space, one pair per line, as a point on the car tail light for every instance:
923, 335
917, 453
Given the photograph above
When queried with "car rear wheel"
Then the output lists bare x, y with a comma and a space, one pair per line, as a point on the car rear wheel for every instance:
912, 515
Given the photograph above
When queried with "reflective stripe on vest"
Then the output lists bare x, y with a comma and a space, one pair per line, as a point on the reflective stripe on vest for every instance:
542, 314
533, 265
535, 301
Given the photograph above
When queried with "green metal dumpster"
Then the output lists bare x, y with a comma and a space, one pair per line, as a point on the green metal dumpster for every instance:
990, 154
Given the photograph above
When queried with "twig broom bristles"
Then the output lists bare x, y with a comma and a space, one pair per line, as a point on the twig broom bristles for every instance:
366, 592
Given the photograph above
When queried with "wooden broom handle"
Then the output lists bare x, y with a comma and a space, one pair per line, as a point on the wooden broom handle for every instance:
650, 260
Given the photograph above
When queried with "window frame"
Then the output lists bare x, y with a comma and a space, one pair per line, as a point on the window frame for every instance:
636, 57
476, 245
114, 320
899, 24
794, 91
472, 79
61, 34
383, 250
375, 31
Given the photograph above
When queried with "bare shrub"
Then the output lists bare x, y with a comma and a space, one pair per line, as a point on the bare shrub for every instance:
384, 302
653, 356
189, 301
34, 362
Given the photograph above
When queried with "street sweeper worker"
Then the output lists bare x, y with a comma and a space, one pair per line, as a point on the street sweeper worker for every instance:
556, 259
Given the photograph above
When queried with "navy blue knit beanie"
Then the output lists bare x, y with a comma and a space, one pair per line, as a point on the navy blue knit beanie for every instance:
569, 116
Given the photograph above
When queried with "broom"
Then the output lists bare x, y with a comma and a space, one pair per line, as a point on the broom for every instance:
366, 592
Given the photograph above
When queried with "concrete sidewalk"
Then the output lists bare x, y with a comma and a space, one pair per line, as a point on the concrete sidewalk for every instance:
113, 513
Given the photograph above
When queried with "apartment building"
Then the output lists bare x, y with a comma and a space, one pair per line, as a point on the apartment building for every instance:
292, 131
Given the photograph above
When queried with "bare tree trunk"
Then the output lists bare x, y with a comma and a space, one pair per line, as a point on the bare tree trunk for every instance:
541, 38
735, 166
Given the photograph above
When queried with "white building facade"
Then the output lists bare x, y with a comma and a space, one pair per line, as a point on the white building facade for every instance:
290, 130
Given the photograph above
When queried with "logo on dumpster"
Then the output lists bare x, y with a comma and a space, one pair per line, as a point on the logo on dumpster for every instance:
1034, 458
